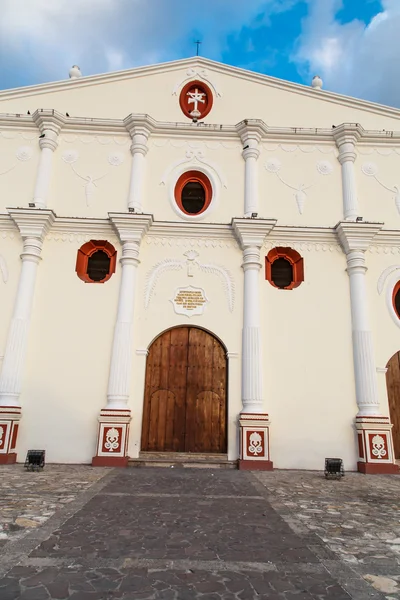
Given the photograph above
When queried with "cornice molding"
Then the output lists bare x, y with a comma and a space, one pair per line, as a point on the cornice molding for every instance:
48, 120
251, 130
347, 133
32, 222
130, 227
356, 236
139, 124
252, 232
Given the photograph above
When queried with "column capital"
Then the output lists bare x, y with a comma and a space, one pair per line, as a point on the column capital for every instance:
130, 227
347, 132
252, 232
31, 222
49, 123
251, 131
356, 236
139, 125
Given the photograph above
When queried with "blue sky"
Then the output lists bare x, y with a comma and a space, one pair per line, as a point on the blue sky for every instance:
353, 45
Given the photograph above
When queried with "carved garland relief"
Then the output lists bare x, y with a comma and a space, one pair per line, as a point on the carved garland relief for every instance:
371, 170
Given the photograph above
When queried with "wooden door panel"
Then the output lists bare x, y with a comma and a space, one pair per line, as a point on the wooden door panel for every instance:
393, 390
185, 393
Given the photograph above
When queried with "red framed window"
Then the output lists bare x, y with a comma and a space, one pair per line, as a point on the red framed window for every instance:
396, 299
96, 261
193, 192
196, 100
284, 268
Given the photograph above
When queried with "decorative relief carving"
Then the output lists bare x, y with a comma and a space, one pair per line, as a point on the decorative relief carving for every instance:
196, 73
112, 439
381, 151
274, 165
9, 134
99, 139
190, 242
193, 157
72, 236
305, 148
3, 269
71, 157
176, 143
189, 301
383, 277
192, 264
378, 446
304, 246
255, 444
23, 154
370, 169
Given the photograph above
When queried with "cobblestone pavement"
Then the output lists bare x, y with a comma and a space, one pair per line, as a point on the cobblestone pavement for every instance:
28, 499
357, 517
176, 534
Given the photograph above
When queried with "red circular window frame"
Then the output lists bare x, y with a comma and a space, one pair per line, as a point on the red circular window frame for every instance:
395, 290
190, 176
86, 251
183, 99
291, 256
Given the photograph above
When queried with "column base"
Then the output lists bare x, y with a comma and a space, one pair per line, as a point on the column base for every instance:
378, 469
112, 441
9, 424
254, 442
375, 445
255, 465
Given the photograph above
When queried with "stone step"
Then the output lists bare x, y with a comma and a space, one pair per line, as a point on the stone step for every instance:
182, 460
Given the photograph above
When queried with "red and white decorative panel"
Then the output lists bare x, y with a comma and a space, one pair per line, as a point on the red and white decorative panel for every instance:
9, 423
196, 100
113, 437
375, 445
254, 442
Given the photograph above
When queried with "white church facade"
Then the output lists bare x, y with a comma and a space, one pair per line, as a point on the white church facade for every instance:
199, 260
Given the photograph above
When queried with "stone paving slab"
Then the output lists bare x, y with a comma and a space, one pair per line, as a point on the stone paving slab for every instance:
358, 518
29, 499
182, 534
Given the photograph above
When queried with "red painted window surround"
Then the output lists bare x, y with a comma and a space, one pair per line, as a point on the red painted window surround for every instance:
86, 251
204, 108
291, 256
198, 177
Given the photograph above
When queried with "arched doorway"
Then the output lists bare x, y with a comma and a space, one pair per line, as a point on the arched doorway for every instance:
393, 390
185, 393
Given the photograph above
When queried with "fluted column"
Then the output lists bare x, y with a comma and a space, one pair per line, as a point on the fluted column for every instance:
49, 123
139, 128
346, 137
372, 427
115, 417
254, 421
251, 132
33, 226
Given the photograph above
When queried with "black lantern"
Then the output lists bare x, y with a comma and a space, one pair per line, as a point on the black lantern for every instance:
334, 468
34, 460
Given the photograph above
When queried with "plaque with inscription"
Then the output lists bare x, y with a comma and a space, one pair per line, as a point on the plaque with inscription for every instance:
189, 301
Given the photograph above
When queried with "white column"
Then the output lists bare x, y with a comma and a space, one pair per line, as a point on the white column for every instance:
251, 235
49, 123
251, 132
355, 239
346, 137
33, 227
130, 228
139, 128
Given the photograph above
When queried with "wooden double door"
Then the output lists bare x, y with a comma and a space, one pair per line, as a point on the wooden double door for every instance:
393, 390
185, 393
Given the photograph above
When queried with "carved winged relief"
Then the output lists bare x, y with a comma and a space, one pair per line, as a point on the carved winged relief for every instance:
192, 264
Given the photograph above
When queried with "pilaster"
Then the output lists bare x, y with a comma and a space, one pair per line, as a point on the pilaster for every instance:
139, 128
49, 123
251, 132
114, 419
33, 226
375, 445
253, 421
346, 137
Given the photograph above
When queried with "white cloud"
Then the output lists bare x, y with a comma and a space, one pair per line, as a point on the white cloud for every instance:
45, 37
353, 58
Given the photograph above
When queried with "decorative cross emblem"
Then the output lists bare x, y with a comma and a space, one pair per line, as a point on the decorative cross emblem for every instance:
196, 97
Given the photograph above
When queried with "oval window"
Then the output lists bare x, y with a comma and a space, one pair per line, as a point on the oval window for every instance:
284, 268
96, 261
193, 193
396, 299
